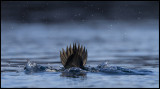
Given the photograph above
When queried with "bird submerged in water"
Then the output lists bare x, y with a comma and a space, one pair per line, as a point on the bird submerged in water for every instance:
74, 57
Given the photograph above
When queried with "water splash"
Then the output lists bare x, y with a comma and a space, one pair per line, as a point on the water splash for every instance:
120, 70
75, 72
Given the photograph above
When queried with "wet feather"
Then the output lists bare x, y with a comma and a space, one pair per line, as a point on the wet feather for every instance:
74, 57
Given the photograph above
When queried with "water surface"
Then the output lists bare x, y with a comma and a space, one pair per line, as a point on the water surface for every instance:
128, 45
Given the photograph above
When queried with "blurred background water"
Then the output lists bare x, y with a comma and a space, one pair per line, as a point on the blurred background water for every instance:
124, 33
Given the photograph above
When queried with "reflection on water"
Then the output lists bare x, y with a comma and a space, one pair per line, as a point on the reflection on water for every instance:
120, 44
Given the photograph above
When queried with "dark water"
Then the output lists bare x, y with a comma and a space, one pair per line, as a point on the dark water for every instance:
128, 45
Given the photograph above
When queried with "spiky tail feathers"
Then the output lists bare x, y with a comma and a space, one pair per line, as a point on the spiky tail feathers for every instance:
74, 57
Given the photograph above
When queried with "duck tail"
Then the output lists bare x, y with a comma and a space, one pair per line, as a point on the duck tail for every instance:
80, 50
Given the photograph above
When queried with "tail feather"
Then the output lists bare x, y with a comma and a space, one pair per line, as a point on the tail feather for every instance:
72, 56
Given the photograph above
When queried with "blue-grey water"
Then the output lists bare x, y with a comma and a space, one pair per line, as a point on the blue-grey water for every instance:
128, 45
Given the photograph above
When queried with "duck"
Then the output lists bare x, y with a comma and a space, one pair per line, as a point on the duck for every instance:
75, 56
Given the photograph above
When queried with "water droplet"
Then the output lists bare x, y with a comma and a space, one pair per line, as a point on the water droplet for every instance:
139, 18
139, 12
